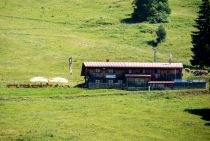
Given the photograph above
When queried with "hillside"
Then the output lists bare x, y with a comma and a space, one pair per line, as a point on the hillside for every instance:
38, 36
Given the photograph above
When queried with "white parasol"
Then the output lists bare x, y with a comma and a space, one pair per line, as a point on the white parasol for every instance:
59, 79
39, 79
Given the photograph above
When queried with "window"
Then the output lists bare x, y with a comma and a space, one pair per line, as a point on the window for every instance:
110, 82
140, 71
157, 71
120, 81
130, 71
143, 71
98, 70
110, 70
97, 81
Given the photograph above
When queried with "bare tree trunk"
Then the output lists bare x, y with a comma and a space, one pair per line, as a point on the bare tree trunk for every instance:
155, 53
170, 58
70, 67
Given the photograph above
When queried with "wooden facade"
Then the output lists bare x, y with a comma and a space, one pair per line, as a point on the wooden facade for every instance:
128, 75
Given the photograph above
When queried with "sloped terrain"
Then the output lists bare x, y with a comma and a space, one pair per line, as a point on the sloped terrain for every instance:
37, 37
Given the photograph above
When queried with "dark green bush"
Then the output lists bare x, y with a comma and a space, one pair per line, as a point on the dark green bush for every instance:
154, 11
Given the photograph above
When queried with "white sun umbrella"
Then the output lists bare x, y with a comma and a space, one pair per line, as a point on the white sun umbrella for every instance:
59, 79
39, 79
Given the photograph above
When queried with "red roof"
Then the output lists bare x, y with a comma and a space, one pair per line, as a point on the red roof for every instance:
161, 82
137, 76
132, 65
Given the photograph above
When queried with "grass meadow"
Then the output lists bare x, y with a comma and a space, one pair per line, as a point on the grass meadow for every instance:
29, 115
38, 36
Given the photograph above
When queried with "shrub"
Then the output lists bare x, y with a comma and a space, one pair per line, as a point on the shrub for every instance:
154, 11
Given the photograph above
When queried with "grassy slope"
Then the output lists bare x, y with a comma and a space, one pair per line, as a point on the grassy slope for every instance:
138, 116
37, 37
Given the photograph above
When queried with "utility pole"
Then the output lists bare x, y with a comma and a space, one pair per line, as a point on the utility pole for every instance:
70, 67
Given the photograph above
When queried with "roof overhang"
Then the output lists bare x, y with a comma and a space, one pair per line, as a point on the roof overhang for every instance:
130, 65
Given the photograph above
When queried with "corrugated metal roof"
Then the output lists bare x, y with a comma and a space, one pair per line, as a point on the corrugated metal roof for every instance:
132, 65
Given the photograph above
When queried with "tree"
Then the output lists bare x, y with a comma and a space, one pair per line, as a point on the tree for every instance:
161, 36
201, 37
154, 11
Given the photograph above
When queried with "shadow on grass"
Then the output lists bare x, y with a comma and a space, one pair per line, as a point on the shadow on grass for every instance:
205, 113
81, 85
130, 21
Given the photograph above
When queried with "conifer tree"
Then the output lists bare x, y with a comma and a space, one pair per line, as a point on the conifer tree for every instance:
201, 38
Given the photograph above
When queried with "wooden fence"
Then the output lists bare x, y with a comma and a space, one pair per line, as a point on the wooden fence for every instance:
29, 85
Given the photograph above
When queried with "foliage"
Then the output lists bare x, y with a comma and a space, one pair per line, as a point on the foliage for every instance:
161, 34
200, 38
154, 11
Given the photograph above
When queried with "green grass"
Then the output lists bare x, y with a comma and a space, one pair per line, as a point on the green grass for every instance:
37, 37
56, 91
157, 115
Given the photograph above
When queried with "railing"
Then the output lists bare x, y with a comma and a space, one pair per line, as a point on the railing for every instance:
106, 85
117, 86
175, 86
181, 84
190, 84
188, 81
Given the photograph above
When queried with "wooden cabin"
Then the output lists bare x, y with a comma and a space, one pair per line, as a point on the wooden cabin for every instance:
130, 75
